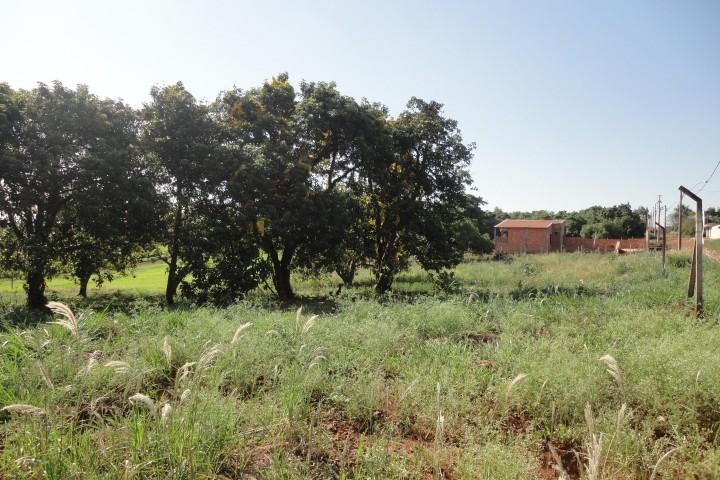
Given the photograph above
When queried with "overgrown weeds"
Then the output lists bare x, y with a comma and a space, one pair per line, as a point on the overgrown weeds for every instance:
558, 382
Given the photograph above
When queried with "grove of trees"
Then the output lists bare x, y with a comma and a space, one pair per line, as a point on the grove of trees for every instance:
232, 194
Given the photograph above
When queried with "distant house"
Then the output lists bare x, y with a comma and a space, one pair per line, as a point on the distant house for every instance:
529, 236
712, 231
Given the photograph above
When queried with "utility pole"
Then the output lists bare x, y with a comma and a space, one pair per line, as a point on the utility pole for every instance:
680, 209
662, 228
697, 277
654, 219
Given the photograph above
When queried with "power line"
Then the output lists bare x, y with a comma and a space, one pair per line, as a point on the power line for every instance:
710, 177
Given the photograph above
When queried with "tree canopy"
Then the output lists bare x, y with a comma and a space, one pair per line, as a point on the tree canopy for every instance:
231, 194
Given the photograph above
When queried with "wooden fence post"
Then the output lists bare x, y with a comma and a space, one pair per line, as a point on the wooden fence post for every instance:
698, 254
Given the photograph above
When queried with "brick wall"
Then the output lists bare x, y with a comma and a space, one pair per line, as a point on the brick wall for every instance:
535, 240
524, 240
575, 244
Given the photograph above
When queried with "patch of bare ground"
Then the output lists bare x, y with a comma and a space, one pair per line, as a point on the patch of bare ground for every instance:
479, 337
516, 421
556, 458
483, 363
347, 435
413, 447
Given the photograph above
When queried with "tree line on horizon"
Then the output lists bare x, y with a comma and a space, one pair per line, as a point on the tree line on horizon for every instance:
617, 221
231, 194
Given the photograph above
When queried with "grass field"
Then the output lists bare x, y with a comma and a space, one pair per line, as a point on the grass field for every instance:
146, 279
501, 378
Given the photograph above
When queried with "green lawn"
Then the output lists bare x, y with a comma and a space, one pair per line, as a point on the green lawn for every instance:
146, 279
500, 379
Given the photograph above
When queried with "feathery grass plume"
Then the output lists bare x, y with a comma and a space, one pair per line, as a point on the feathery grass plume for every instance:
24, 409
165, 414
589, 419
24, 462
208, 357
298, 315
316, 360
409, 389
45, 376
514, 383
439, 428
542, 388
594, 455
129, 470
613, 368
440, 423
239, 332
142, 399
184, 395
119, 366
660, 460
167, 350
183, 372
94, 403
439, 432
309, 324
69, 321
92, 361
621, 417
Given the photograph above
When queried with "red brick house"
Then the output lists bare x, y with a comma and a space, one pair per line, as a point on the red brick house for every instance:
529, 236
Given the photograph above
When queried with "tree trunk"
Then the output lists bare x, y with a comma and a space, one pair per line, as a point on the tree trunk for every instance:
84, 280
281, 280
347, 273
172, 281
35, 287
384, 282
171, 287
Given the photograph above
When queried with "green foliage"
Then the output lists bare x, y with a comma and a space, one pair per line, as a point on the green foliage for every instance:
183, 143
262, 182
473, 230
416, 190
273, 181
679, 260
444, 281
688, 219
69, 178
114, 218
470, 239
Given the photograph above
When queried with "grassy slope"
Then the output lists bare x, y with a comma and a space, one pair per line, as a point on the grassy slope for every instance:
410, 387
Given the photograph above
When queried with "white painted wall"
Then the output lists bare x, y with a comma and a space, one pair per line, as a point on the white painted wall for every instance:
714, 232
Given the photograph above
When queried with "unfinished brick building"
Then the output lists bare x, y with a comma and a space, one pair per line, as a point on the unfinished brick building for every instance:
529, 236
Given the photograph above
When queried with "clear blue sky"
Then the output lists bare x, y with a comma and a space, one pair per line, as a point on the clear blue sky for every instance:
571, 103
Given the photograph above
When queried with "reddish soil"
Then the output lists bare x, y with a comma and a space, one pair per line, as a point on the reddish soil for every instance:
548, 470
